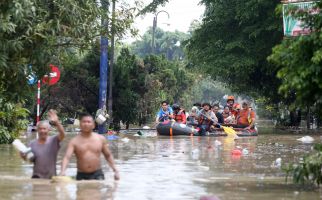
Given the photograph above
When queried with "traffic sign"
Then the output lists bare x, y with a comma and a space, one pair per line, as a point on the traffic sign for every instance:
53, 76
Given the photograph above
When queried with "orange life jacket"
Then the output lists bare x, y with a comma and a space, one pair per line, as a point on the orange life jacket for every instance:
180, 117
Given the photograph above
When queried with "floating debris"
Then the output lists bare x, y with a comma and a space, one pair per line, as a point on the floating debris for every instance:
306, 139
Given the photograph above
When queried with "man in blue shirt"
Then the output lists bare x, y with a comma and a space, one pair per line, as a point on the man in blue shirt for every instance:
165, 112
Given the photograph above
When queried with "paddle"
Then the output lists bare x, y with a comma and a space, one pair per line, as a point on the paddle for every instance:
228, 130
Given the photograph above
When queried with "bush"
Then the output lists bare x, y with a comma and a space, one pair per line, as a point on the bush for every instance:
308, 171
12, 121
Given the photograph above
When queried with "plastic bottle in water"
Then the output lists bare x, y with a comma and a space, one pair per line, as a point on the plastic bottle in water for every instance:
23, 149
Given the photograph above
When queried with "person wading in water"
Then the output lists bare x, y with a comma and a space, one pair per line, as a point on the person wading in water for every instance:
88, 147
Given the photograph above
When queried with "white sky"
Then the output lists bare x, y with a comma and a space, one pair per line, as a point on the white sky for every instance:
182, 13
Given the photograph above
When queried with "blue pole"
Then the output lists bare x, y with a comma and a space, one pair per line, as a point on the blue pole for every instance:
103, 80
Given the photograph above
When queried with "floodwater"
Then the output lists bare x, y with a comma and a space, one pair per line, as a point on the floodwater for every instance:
172, 168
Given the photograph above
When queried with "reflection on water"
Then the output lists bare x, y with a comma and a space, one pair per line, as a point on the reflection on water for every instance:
171, 168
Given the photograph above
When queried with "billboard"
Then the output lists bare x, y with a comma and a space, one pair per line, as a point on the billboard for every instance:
291, 25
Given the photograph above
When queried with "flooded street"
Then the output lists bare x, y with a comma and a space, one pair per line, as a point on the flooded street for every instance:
172, 168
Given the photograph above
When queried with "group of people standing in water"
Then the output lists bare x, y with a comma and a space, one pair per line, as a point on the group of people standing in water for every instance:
87, 147
207, 117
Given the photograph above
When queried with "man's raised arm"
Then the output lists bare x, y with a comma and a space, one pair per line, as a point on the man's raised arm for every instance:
53, 118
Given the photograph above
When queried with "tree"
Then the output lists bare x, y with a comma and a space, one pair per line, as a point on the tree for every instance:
166, 43
33, 32
233, 42
300, 60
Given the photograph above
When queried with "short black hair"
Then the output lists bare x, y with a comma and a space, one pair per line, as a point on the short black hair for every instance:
206, 103
166, 102
197, 104
217, 105
82, 115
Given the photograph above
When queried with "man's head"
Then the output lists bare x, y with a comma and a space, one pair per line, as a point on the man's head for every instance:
245, 105
43, 128
176, 107
164, 105
215, 108
226, 109
197, 104
86, 123
206, 106
230, 101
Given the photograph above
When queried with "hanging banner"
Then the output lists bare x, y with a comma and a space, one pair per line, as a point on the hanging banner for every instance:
53, 76
291, 25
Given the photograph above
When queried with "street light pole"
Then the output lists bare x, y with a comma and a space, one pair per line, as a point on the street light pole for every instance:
154, 27
103, 68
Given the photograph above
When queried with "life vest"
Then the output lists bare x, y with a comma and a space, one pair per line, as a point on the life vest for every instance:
180, 116
249, 119
202, 119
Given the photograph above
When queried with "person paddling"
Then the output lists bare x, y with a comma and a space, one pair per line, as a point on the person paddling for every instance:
45, 148
88, 147
206, 118
165, 113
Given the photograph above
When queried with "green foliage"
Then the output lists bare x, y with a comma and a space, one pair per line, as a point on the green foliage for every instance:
299, 60
32, 32
308, 171
166, 43
233, 42
141, 85
152, 7
12, 120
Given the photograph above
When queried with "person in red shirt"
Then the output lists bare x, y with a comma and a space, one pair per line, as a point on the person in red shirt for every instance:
246, 117
179, 114
233, 107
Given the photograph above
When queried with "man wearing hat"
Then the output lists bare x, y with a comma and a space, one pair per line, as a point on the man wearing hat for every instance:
206, 118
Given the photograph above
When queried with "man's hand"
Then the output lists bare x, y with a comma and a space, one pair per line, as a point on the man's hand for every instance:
116, 175
52, 116
247, 128
23, 156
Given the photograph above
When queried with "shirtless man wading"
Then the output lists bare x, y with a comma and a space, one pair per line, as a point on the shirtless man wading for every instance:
88, 147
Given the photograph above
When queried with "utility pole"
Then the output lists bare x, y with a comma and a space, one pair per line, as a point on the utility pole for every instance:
110, 94
154, 27
103, 68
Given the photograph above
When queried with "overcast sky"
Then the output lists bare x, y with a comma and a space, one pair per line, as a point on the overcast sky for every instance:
182, 13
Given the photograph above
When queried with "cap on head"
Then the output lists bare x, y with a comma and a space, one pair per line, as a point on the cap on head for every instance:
230, 98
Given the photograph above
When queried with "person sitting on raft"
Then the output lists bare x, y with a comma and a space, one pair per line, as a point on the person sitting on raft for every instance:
179, 114
165, 113
228, 117
215, 109
192, 119
206, 118
246, 117
232, 105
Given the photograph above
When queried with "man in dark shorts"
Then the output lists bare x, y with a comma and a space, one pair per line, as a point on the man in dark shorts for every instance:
88, 147
45, 148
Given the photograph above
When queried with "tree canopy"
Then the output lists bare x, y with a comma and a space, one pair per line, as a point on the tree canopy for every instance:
232, 44
300, 60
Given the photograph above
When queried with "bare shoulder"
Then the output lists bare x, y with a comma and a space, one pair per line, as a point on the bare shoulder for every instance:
75, 139
100, 138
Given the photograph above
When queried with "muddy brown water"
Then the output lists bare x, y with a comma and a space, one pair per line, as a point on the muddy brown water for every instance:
163, 168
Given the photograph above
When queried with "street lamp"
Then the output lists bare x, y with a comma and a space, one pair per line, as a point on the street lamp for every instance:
155, 26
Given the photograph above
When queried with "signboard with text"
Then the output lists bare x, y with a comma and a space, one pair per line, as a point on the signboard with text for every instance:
291, 25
